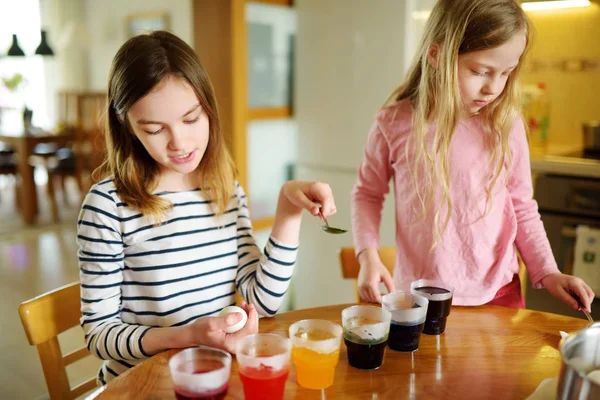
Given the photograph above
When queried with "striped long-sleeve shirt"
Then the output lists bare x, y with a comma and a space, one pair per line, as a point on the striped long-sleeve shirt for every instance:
136, 275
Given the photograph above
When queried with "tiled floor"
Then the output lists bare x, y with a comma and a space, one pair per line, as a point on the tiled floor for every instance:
33, 261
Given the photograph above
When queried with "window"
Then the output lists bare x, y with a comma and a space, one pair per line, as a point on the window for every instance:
23, 19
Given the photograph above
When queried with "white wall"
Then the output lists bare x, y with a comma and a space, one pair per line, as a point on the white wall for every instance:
64, 21
106, 21
68, 37
417, 12
349, 59
350, 56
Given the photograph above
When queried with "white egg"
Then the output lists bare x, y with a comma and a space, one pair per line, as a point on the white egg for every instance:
594, 376
233, 309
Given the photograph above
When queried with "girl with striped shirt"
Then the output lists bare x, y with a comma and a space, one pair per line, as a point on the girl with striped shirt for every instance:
165, 239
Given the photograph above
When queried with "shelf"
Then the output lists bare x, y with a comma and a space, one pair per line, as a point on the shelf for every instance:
262, 223
269, 113
285, 3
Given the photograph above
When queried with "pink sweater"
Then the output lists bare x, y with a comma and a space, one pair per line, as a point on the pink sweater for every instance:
476, 255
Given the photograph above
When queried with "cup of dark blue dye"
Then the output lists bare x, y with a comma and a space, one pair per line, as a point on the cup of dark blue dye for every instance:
408, 312
439, 295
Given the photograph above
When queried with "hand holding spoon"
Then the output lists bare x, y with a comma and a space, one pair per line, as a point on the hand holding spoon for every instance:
329, 229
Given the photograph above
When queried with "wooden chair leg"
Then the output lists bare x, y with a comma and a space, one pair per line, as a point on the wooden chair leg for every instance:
61, 183
86, 185
52, 197
17, 190
80, 184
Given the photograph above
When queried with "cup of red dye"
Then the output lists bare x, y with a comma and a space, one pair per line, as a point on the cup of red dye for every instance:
200, 373
264, 365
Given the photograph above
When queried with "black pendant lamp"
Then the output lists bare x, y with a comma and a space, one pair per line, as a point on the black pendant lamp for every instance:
15, 50
43, 49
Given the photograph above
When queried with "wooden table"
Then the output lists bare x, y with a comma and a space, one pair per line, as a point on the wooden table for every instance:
23, 144
487, 352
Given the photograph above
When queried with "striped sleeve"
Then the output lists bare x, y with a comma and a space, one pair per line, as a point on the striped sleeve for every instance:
262, 278
101, 254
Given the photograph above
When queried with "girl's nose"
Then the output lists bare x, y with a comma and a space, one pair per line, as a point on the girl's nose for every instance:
177, 141
492, 87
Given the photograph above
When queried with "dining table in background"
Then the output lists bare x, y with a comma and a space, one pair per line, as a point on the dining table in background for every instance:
487, 352
23, 142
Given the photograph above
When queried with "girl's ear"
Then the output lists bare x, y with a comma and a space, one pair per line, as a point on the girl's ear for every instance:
433, 54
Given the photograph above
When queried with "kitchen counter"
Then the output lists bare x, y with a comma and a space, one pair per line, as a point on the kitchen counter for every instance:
560, 159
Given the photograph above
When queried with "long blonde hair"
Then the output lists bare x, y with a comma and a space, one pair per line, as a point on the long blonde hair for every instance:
139, 65
458, 27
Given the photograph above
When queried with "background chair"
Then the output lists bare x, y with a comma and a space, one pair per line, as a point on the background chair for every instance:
351, 267
80, 113
8, 167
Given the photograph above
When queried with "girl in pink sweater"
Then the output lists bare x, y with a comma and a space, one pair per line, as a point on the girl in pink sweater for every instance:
453, 143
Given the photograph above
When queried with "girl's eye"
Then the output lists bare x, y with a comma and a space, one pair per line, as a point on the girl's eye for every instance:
477, 73
192, 121
154, 132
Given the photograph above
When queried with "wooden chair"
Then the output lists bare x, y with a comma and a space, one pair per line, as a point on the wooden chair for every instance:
8, 167
44, 318
351, 267
523, 276
90, 149
80, 113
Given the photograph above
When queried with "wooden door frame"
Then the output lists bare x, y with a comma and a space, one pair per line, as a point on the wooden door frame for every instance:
221, 41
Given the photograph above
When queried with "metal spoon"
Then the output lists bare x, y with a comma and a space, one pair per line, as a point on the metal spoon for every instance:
587, 314
329, 229
582, 308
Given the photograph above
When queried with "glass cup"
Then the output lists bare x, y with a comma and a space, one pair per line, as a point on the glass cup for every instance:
200, 373
264, 365
315, 351
366, 330
408, 313
439, 295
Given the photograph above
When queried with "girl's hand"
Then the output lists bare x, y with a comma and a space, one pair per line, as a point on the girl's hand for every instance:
308, 196
208, 331
569, 289
372, 271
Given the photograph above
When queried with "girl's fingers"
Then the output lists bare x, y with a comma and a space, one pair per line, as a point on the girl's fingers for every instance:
221, 323
591, 296
304, 202
388, 281
565, 296
582, 293
323, 195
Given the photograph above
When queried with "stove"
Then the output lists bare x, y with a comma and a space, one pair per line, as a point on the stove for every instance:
566, 202
589, 154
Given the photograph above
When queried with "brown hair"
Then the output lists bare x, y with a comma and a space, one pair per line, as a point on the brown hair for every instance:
458, 27
138, 67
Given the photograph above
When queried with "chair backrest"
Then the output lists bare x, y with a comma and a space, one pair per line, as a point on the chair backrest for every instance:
43, 318
523, 277
84, 111
91, 107
350, 265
